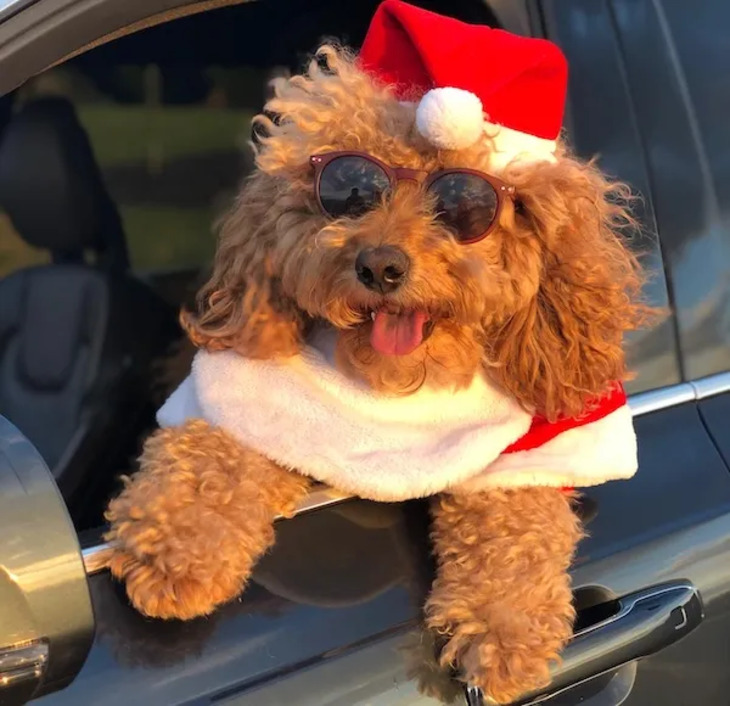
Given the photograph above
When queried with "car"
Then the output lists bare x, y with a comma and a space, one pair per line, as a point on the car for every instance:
123, 126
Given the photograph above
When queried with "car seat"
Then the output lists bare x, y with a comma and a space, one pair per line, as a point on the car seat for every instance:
78, 336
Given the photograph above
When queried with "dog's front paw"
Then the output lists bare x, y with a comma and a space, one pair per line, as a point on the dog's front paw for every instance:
189, 526
421, 657
508, 654
159, 592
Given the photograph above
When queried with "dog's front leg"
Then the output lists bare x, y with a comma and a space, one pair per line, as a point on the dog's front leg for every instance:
192, 522
502, 595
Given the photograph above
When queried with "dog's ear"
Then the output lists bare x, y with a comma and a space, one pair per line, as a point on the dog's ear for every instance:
242, 305
565, 346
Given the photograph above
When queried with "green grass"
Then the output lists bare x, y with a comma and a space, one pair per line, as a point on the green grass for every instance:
158, 237
126, 134
14, 253
161, 237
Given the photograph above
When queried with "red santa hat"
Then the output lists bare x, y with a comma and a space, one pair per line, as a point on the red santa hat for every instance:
470, 81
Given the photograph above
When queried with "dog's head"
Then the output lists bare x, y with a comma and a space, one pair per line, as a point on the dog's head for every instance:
541, 302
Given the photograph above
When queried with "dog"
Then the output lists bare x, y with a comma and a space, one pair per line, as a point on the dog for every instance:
412, 304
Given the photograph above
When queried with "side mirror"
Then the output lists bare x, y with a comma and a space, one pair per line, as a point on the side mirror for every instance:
46, 617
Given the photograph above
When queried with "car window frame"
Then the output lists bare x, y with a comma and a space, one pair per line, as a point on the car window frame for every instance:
36, 35
34, 38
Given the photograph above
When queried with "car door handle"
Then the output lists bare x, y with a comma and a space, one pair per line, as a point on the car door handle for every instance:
644, 623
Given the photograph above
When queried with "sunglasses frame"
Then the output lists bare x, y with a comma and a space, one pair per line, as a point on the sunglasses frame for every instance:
424, 178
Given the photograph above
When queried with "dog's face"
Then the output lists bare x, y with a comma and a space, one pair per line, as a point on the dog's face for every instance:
541, 302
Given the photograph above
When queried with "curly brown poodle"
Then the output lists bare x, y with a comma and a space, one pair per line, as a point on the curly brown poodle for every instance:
541, 306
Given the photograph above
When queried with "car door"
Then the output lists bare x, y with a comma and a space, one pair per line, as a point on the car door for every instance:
332, 614
631, 103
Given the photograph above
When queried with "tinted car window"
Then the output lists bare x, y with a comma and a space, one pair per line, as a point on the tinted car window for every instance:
677, 61
168, 131
601, 122
700, 37
170, 143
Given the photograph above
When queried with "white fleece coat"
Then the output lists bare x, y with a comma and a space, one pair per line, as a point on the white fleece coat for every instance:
305, 415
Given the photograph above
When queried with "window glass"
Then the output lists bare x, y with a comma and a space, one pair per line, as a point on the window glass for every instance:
167, 112
678, 65
703, 51
171, 145
14, 251
601, 124
168, 119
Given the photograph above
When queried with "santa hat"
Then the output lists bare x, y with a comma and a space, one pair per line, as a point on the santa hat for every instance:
470, 81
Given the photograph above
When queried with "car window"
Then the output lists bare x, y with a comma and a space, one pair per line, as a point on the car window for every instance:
153, 130
703, 62
601, 124
170, 143
14, 251
166, 113
677, 62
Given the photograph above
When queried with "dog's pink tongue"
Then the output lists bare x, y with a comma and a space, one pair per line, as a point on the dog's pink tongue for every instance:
397, 334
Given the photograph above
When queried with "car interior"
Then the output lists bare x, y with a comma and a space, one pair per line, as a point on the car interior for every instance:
114, 167
78, 334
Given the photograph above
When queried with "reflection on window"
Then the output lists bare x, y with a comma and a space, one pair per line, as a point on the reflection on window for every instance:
171, 144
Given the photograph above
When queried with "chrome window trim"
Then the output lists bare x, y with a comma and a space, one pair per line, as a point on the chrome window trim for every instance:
711, 386
674, 395
640, 404
95, 557
661, 398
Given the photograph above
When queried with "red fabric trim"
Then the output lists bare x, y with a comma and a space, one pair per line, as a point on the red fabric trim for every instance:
521, 81
541, 431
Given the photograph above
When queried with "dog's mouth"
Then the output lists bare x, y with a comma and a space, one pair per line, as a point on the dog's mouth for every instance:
399, 331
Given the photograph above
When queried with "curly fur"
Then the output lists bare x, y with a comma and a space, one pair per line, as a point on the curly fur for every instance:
541, 305
502, 595
191, 523
562, 344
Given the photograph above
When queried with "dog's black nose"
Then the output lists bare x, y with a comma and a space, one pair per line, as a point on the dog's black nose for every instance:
382, 269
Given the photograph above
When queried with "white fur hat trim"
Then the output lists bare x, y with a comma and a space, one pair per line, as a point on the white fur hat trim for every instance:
515, 146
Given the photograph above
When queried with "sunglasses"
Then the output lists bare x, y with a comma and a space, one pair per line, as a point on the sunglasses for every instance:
467, 202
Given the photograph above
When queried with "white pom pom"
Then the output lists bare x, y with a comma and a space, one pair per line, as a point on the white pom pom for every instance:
450, 118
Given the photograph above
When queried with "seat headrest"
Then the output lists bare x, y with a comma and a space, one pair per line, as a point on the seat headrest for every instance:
51, 186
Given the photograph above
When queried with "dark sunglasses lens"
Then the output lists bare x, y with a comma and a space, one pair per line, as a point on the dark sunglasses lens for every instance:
465, 203
351, 186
